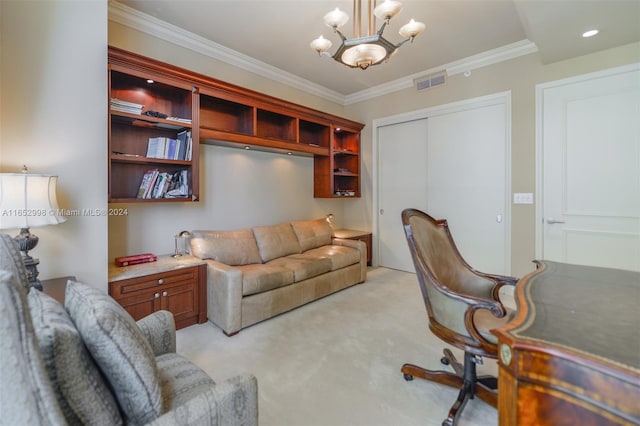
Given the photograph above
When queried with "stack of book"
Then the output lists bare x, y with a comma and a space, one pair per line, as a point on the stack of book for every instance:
124, 106
171, 149
157, 184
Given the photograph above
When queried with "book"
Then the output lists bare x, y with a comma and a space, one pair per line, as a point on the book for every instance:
170, 149
182, 139
152, 147
144, 184
152, 183
125, 106
135, 259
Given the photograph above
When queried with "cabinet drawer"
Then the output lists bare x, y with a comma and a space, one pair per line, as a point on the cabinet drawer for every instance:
125, 288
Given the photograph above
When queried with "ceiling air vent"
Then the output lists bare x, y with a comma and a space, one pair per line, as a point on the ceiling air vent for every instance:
429, 82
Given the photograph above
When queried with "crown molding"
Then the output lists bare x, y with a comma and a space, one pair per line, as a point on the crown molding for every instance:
139, 21
500, 54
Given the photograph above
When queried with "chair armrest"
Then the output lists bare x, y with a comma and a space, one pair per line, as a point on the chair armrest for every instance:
160, 330
233, 402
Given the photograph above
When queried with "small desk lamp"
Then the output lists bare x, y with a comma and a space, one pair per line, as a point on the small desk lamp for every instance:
27, 201
178, 252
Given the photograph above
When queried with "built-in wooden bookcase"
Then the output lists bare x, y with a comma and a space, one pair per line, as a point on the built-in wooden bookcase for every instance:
130, 130
219, 114
338, 175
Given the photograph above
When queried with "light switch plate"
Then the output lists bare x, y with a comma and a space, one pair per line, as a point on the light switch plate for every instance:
523, 198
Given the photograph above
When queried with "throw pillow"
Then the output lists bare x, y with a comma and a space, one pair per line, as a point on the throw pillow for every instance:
276, 241
26, 394
82, 394
313, 233
233, 248
119, 348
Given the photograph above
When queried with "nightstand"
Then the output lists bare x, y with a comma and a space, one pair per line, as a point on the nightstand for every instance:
178, 285
351, 234
55, 287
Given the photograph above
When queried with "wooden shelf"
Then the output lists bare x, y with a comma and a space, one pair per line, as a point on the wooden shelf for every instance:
142, 81
225, 115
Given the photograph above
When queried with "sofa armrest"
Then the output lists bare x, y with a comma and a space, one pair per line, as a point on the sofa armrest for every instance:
233, 402
357, 244
224, 296
160, 330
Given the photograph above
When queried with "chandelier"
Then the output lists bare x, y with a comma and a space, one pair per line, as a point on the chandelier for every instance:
362, 51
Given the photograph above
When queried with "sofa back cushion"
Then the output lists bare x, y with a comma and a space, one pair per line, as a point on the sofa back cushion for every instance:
81, 391
276, 241
119, 348
233, 248
312, 233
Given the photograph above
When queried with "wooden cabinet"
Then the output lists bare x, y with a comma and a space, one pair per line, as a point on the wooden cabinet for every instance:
221, 114
181, 291
137, 88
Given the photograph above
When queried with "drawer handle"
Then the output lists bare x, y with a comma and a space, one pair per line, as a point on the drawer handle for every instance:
156, 295
164, 293
160, 281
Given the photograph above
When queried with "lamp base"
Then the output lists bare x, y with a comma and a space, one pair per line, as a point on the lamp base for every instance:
32, 271
27, 241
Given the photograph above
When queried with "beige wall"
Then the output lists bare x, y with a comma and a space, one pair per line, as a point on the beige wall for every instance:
53, 119
520, 76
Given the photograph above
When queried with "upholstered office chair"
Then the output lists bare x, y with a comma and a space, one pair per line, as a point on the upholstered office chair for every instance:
463, 305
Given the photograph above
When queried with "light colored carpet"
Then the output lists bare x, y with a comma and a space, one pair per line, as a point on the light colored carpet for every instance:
337, 361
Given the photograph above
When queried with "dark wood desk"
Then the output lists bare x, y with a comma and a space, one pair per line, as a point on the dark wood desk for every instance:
572, 354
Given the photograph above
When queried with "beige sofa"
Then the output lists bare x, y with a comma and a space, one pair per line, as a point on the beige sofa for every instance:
257, 273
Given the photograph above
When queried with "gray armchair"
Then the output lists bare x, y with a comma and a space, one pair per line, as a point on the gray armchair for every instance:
88, 362
463, 305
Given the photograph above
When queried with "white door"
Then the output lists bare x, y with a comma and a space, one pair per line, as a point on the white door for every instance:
589, 143
454, 165
467, 183
402, 163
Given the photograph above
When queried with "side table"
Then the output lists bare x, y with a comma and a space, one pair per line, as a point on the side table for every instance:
351, 234
55, 287
178, 285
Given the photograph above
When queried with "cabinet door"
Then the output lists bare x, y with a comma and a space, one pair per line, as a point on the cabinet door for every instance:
181, 300
142, 303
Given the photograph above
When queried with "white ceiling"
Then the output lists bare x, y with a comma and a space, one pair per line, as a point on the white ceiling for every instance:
277, 33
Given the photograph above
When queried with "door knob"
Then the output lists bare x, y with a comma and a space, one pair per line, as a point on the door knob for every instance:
381, 211
551, 221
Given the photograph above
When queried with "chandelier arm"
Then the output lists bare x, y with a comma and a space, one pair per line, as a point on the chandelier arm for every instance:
337, 31
382, 27
404, 41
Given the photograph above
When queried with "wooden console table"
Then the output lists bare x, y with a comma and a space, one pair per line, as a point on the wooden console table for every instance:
572, 354
55, 287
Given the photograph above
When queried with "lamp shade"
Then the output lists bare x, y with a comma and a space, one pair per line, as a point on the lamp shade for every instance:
28, 200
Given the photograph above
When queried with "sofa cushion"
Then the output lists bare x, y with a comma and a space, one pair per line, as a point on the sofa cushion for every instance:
340, 256
26, 394
181, 380
304, 265
233, 248
83, 396
312, 233
264, 277
119, 348
276, 241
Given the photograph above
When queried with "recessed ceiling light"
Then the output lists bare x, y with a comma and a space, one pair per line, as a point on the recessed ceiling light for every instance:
589, 33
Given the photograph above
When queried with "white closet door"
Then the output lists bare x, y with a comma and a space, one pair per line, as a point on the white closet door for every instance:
403, 184
453, 164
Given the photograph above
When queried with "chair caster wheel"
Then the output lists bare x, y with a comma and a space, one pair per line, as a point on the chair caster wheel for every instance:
408, 377
444, 360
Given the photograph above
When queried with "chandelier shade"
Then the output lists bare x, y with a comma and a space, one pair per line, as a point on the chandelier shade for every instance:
372, 48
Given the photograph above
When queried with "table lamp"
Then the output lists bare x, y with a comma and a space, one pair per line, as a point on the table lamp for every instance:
181, 236
27, 201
